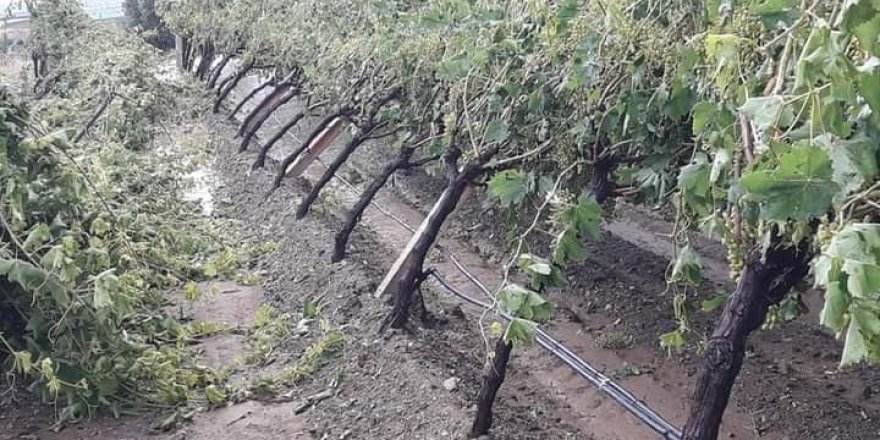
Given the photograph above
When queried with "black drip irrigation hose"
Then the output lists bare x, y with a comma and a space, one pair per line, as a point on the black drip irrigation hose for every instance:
613, 390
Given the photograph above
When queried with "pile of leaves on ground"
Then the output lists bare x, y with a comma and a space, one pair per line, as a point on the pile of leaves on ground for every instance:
94, 230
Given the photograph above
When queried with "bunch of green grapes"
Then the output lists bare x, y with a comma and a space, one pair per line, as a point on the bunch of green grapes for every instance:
825, 232
736, 251
773, 318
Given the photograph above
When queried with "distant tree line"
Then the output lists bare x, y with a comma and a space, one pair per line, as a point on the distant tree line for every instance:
142, 17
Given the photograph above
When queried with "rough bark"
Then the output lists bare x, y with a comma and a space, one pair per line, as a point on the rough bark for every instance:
264, 150
492, 381
85, 130
365, 132
206, 61
180, 48
354, 215
286, 93
221, 86
260, 108
764, 282
218, 70
282, 170
229, 84
248, 97
601, 186
409, 274
337, 163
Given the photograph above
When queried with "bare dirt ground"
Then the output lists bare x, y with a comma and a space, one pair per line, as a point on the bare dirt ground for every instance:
392, 386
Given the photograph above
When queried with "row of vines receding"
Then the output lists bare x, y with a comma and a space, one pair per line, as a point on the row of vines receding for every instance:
754, 121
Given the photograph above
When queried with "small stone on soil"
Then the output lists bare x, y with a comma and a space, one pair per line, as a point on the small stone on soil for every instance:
450, 384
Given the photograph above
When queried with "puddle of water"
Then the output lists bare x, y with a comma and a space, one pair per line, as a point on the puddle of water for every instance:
202, 182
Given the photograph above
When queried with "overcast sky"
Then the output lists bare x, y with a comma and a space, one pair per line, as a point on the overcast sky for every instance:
93, 7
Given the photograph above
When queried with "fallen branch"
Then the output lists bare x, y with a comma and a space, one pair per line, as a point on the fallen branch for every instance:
79, 136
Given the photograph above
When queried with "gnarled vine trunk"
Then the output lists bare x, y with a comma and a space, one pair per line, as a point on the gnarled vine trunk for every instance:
764, 282
247, 122
354, 215
282, 95
492, 380
207, 52
229, 84
337, 163
285, 164
248, 97
407, 273
218, 70
264, 149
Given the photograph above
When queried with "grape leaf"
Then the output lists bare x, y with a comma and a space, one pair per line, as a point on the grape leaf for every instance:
768, 112
568, 248
38, 236
862, 19
585, 217
497, 131
849, 269
523, 303
520, 332
694, 183
716, 302
702, 114
509, 187
542, 272
800, 188
837, 301
854, 161
775, 13
688, 267
869, 83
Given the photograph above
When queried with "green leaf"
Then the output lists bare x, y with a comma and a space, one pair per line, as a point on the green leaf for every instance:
541, 272
509, 187
585, 217
106, 285
497, 131
716, 302
854, 161
837, 301
520, 332
568, 248
695, 186
720, 162
191, 291
869, 83
702, 114
512, 298
523, 303
768, 112
862, 19
673, 341
775, 13
38, 236
799, 188
688, 267
209, 270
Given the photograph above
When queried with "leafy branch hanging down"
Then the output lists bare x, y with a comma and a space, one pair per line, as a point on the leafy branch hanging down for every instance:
94, 230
